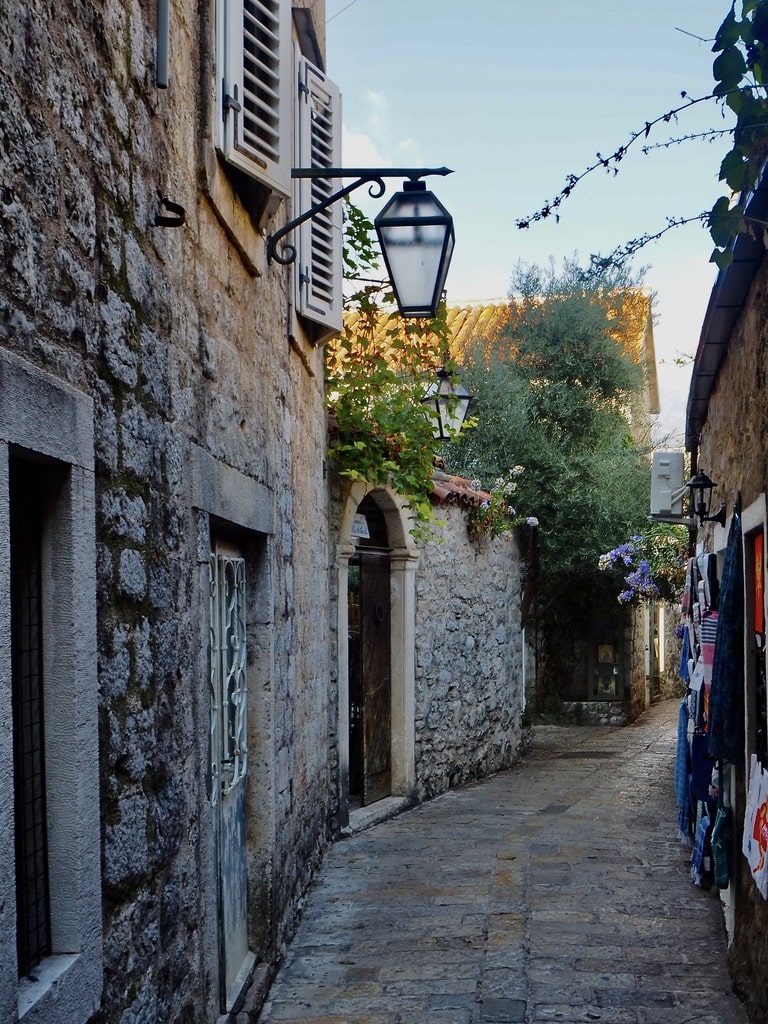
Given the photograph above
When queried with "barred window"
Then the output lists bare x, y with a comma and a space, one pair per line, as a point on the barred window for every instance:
33, 925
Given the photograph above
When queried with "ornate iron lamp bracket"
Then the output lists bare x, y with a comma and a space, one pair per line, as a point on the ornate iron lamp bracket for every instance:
373, 177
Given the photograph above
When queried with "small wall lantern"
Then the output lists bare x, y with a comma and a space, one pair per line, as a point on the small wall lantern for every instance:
447, 402
701, 488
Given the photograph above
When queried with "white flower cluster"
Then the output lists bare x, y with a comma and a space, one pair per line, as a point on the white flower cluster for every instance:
507, 485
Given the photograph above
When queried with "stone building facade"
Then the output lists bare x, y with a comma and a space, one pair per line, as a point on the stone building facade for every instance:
162, 508
727, 421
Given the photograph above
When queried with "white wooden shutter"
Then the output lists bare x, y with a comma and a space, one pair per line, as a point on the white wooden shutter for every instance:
254, 71
318, 240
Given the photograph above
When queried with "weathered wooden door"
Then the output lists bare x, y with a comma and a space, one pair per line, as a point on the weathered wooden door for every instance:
229, 763
370, 677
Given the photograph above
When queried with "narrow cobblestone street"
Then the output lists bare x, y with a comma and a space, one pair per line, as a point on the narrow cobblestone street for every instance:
557, 891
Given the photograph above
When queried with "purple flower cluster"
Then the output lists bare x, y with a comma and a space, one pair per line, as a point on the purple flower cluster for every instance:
639, 582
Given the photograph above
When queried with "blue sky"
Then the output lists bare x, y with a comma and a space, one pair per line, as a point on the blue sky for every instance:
514, 96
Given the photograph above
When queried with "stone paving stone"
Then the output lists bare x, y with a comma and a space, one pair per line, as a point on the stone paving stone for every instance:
554, 892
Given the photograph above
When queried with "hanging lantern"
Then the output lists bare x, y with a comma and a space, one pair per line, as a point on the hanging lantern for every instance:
416, 236
447, 402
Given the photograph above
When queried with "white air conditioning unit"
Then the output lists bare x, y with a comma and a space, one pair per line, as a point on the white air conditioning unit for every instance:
668, 485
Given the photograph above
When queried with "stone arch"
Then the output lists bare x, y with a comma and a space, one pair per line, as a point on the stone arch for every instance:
403, 562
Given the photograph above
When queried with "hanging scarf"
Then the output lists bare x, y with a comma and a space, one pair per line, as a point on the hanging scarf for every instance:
682, 775
726, 701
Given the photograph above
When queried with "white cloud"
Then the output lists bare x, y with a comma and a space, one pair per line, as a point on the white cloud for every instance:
359, 150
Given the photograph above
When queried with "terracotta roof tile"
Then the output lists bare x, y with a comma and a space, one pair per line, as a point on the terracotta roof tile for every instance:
455, 490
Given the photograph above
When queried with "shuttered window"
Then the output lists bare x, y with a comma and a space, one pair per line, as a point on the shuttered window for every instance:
319, 273
254, 83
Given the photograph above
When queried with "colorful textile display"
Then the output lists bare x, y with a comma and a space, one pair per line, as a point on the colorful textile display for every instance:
722, 842
682, 774
726, 703
701, 858
754, 842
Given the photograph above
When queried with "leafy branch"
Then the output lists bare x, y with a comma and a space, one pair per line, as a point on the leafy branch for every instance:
607, 163
656, 562
628, 249
378, 371
740, 71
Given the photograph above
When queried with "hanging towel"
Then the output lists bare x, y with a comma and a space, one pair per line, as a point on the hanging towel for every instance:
701, 766
722, 842
687, 605
708, 636
685, 654
701, 858
726, 701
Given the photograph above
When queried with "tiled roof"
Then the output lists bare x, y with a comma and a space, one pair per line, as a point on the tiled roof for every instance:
455, 490
470, 323
473, 322
467, 323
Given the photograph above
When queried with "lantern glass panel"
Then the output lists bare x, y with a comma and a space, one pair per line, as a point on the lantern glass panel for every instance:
416, 236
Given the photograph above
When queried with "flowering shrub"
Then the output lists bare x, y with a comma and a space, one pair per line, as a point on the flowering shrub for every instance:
656, 560
497, 514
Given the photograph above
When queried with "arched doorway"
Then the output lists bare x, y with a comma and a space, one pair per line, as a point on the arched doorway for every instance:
376, 623
370, 674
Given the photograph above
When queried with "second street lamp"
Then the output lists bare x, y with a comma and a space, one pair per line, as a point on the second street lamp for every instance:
447, 403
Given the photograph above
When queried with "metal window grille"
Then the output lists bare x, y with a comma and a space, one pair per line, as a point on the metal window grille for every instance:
33, 934
228, 725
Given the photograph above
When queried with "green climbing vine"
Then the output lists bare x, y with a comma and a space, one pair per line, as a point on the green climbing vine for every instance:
378, 371
740, 71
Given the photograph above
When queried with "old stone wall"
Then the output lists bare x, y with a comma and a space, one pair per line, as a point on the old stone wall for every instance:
671, 685
183, 339
469, 680
733, 452
595, 712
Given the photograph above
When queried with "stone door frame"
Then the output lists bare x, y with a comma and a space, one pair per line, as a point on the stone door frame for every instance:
404, 559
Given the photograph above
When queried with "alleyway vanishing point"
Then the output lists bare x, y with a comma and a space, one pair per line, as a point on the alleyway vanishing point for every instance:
557, 891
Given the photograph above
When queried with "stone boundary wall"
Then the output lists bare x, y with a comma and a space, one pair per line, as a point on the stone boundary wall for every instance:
469, 678
595, 712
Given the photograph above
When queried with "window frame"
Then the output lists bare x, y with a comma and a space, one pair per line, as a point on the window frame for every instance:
754, 522
49, 423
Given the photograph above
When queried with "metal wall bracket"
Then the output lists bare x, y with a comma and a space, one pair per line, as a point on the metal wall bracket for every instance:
178, 214
373, 177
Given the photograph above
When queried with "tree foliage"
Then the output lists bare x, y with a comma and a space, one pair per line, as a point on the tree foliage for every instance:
554, 392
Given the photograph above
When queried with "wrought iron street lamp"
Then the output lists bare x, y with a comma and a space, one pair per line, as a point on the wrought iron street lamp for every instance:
416, 236
447, 402
415, 232
701, 488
